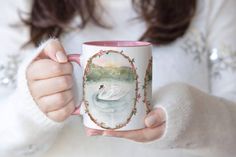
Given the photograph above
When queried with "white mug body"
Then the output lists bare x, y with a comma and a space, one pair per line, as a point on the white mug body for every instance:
117, 84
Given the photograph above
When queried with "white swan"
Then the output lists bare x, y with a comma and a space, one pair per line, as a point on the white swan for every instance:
111, 92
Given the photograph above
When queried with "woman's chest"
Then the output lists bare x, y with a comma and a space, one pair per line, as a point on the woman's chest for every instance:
178, 65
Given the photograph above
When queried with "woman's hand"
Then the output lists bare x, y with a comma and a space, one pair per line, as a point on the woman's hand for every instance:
155, 127
50, 82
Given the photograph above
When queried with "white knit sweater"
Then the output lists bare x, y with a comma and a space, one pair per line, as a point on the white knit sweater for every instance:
198, 123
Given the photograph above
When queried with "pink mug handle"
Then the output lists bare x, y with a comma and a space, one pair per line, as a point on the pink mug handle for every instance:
75, 58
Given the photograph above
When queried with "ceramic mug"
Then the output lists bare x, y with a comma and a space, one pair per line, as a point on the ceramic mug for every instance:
117, 84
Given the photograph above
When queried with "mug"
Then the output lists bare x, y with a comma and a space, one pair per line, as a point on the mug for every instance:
117, 84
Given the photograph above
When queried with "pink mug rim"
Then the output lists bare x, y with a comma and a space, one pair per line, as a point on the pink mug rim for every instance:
118, 43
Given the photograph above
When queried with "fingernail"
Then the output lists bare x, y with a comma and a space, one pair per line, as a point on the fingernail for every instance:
151, 121
61, 57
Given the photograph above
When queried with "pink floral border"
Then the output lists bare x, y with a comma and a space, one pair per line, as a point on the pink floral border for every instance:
146, 101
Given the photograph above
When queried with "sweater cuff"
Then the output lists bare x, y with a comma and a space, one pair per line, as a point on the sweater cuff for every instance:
177, 103
28, 108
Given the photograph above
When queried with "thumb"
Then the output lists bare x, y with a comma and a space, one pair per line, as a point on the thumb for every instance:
55, 51
155, 118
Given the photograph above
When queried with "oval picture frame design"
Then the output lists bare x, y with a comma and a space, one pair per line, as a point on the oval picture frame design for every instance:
110, 89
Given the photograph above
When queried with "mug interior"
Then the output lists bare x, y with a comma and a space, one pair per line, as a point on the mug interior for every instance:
118, 43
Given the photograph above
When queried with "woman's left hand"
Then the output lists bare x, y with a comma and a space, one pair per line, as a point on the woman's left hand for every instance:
155, 127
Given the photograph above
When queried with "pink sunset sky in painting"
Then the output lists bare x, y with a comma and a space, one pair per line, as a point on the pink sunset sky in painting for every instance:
111, 60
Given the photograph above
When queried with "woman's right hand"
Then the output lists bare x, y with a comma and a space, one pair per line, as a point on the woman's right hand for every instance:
50, 82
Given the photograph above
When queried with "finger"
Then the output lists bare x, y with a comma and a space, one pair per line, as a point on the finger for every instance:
51, 86
142, 135
93, 132
46, 68
155, 118
55, 102
77, 111
55, 51
63, 113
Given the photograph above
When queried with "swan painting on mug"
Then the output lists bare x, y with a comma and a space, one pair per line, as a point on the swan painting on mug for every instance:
110, 89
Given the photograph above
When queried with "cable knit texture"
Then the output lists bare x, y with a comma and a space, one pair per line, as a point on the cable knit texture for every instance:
193, 81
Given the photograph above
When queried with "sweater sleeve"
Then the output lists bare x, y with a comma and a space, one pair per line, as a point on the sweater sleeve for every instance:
197, 122
202, 123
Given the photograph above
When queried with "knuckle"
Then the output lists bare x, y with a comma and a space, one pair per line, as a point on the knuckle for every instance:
70, 108
64, 114
69, 67
43, 104
56, 68
60, 99
66, 82
43, 108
